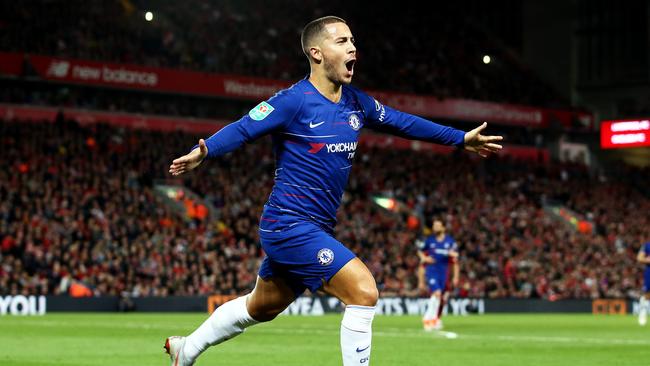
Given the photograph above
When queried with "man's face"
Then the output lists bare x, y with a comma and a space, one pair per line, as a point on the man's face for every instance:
438, 227
339, 53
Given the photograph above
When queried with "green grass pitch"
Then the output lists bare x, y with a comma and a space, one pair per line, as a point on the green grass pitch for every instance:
487, 340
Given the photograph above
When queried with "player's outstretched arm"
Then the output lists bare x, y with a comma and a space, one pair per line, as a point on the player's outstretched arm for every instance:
272, 115
190, 161
403, 124
642, 258
482, 145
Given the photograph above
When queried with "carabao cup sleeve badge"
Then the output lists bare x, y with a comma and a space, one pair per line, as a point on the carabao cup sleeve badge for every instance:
261, 111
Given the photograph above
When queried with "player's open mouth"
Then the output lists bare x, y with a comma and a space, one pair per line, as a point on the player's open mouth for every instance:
350, 65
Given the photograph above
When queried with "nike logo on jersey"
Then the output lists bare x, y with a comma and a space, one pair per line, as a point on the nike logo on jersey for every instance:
314, 125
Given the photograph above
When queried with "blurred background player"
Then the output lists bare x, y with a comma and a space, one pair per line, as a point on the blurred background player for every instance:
437, 252
644, 257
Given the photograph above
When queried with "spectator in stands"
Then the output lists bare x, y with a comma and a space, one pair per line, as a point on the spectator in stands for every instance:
70, 211
444, 60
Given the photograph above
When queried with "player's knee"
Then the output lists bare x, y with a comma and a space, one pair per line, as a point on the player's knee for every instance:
265, 317
367, 295
264, 314
263, 311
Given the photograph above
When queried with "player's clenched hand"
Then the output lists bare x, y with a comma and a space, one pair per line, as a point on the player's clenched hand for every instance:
428, 260
482, 145
190, 161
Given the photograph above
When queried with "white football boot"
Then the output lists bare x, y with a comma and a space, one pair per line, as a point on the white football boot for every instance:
437, 325
174, 347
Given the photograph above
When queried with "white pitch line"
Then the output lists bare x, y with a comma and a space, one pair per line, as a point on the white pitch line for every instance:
450, 335
569, 340
332, 330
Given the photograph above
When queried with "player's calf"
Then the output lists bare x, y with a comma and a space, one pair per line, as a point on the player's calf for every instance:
356, 334
227, 321
355, 287
643, 310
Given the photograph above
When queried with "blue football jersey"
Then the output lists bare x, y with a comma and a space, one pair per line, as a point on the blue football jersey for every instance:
440, 251
315, 141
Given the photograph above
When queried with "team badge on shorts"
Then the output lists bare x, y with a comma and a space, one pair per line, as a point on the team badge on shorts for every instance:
325, 256
354, 122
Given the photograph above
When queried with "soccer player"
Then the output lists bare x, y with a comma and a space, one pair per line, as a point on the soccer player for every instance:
437, 252
315, 125
644, 257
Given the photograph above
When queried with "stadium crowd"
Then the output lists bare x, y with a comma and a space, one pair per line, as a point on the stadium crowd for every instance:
77, 206
169, 105
192, 106
438, 49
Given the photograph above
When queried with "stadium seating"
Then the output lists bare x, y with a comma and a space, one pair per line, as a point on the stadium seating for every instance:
76, 205
436, 52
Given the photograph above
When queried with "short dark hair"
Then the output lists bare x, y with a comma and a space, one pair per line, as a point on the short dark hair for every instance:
438, 218
314, 28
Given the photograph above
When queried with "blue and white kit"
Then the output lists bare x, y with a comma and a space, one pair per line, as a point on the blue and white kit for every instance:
437, 274
314, 141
